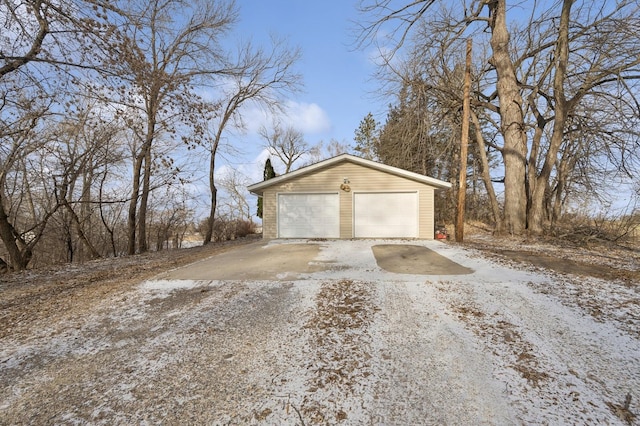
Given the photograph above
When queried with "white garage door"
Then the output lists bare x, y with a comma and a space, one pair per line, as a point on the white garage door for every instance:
386, 215
308, 216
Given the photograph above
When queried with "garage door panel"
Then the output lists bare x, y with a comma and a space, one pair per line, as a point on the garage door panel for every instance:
308, 216
386, 215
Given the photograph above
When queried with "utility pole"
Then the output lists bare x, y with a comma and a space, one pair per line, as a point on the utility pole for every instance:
464, 141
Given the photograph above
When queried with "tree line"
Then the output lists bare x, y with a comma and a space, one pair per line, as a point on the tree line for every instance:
104, 107
555, 112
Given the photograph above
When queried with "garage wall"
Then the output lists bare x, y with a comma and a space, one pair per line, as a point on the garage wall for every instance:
361, 179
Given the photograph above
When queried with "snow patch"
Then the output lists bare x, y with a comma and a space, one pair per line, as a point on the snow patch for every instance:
170, 285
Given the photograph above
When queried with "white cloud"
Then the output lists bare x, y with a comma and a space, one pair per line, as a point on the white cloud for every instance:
255, 117
254, 170
309, 118
251, 172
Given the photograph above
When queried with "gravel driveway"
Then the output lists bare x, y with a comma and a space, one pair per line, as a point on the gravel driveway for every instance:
338, 340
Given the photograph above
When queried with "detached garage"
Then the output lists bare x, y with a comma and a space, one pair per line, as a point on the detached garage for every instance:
348, 197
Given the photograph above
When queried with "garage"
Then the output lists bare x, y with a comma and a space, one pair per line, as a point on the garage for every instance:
308, 215
349, 197
385, 215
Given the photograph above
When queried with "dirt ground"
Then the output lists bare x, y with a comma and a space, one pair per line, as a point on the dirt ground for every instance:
602, 260
31, 298
537, 333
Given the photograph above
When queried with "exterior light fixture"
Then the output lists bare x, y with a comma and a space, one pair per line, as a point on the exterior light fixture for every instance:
345, 185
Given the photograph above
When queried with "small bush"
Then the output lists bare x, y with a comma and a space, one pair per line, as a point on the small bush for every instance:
582, 229
244, 228
225, 230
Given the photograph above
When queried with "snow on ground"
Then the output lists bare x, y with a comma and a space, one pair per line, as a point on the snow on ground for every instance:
352, 344
550, 363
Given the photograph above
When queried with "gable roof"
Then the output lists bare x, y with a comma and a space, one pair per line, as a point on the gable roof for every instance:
258, 188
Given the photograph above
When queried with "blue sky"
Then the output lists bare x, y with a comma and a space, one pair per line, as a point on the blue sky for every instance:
338, 91
338, 86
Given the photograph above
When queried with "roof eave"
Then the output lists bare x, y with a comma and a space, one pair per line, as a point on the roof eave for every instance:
258, 188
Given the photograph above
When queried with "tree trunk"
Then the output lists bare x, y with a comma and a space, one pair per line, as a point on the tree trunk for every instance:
565, 166
512, 122
19, 259
214, 199
486, 177
532, 163
229, 110
536, 215
79, 230
85, 217
139, 220
133, 206
143, 247
68, 240
558, 195
112, 239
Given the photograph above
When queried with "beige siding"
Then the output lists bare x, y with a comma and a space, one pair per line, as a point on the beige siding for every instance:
269, 217
426, 219
361, 179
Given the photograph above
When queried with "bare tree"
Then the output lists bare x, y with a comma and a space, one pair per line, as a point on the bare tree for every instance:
260, 78
86, 147
163, 50
75, 157
536, 77
334, 147
169, 217
323, 150
40, 42
285, 143
51, 34
485, 172
235, 185
20, 232
421, 130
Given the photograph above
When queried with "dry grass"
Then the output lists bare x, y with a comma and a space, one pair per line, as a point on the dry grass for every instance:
31, 298
341, 345
623, 411
503, 334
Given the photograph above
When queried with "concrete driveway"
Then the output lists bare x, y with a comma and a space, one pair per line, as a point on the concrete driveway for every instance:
256, 261
415, 260
293, 259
